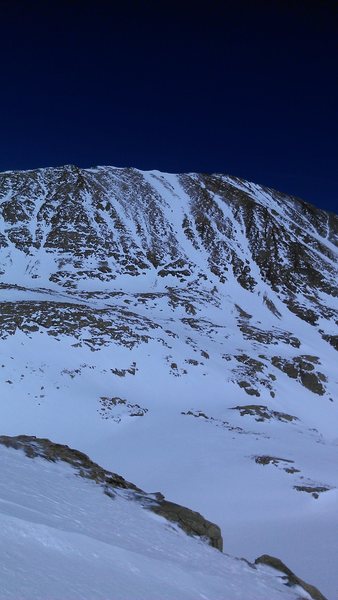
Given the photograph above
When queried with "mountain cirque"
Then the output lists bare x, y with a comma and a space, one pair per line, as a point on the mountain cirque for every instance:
178, 329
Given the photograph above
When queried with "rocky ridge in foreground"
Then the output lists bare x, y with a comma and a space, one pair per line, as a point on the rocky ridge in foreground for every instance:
191, 522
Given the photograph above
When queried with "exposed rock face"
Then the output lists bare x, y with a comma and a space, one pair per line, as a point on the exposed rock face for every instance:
262, 413
290, 578
105, 222
190, 521
303, 369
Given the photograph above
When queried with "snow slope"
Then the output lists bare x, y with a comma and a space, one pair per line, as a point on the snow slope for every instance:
61, 537
181, 330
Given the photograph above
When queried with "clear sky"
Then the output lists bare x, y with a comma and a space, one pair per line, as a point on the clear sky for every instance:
247, 88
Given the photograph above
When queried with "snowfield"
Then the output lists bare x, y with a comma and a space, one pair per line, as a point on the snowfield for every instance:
61, 537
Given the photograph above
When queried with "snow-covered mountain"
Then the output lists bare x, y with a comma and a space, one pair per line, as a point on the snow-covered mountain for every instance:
182, 331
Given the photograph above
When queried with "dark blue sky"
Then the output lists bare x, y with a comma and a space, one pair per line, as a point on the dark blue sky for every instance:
244, 88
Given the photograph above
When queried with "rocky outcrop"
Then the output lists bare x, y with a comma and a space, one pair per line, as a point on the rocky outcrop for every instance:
263, 413
190, 521
289, 577
303, 369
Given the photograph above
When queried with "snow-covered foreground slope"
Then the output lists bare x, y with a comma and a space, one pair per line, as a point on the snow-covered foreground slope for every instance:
62, 537
181, 330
